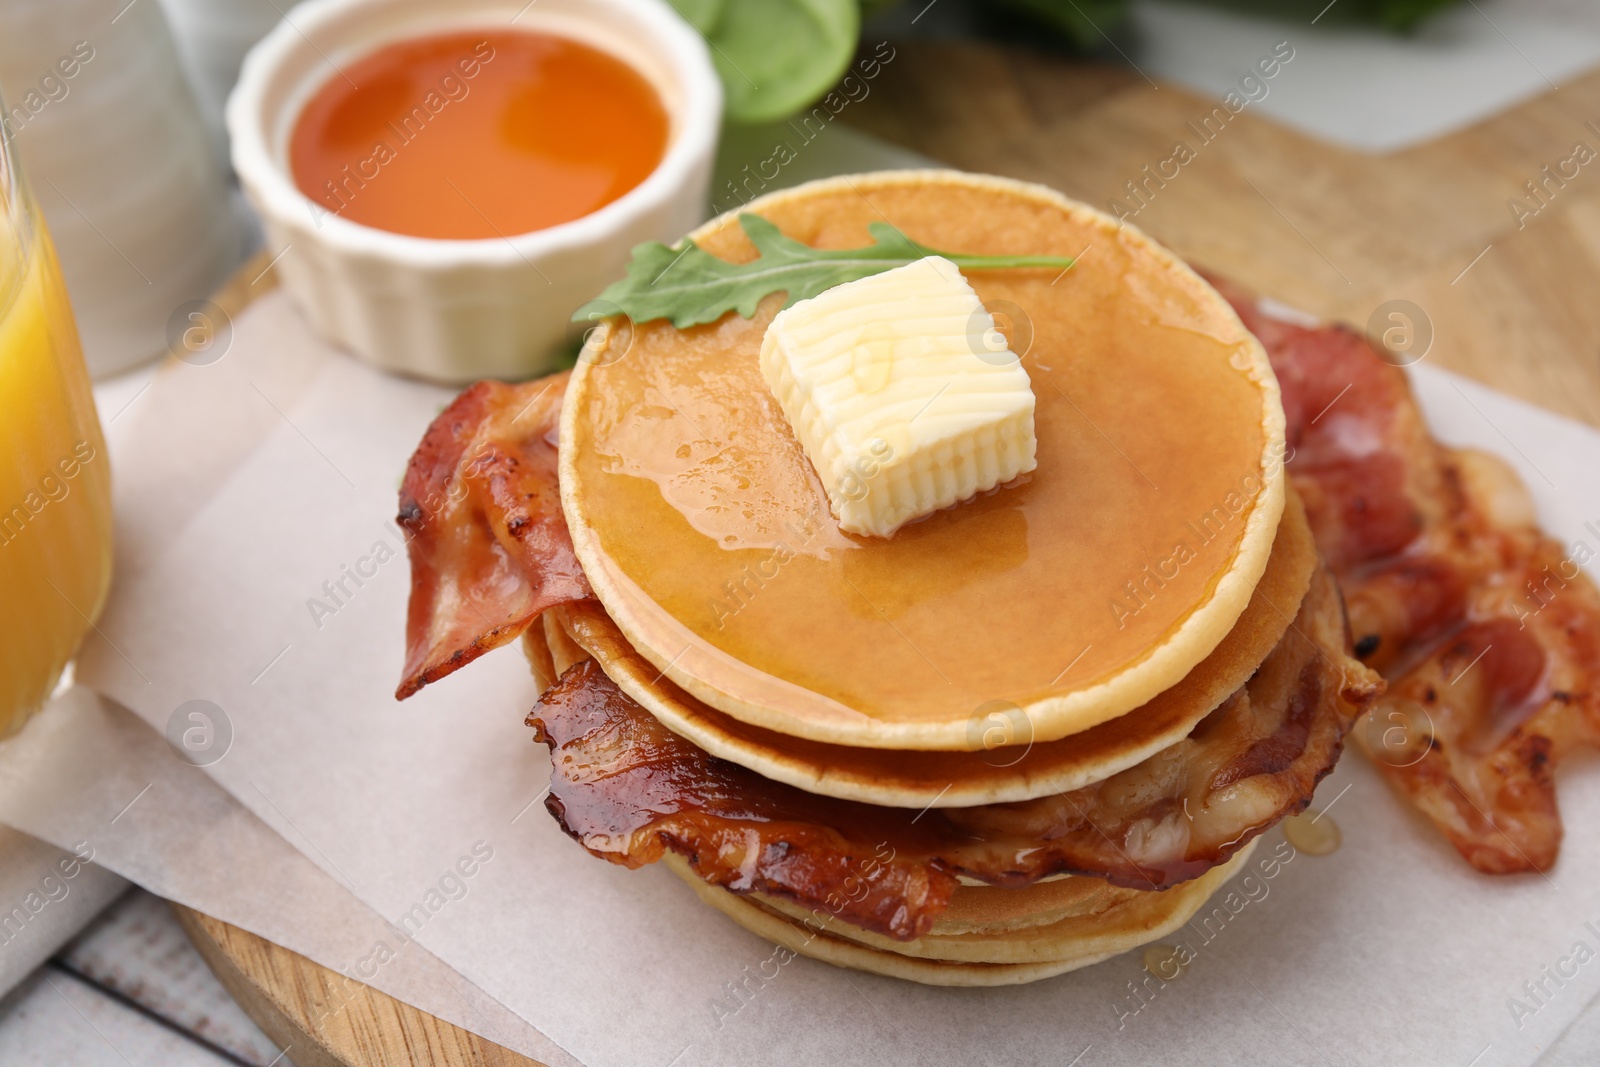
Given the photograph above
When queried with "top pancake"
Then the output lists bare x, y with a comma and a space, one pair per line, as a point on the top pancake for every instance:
1077, 594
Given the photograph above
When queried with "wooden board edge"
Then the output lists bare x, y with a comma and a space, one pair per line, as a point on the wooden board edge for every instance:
320, 1018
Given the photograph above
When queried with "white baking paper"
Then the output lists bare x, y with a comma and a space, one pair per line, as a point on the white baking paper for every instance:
94, 780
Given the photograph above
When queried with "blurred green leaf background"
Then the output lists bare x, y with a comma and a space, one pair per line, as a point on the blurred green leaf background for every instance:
777, 56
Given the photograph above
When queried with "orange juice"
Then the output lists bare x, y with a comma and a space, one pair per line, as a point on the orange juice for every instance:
480, 134
55, 487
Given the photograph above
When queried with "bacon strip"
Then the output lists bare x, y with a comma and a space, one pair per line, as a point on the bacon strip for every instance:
629, 789
488, 542
1488, 632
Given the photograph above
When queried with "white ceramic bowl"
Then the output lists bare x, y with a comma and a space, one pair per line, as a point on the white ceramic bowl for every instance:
455, 311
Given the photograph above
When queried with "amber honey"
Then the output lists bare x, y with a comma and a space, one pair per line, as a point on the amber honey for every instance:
1313, 832
477, 134
1166, 962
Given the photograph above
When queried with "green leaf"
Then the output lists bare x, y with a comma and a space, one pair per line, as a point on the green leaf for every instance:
1084, 22
775, 56
1403, 15
690, 286
703, 15
1090, 24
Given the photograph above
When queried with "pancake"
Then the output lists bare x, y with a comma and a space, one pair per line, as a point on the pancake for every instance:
1077, 594
1009, 949
561, 649
960, 779
540, 659
977, 908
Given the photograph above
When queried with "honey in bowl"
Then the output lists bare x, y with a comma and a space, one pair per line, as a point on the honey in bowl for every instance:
477, 134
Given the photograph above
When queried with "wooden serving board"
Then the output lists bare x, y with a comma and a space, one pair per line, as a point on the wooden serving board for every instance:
1334, 232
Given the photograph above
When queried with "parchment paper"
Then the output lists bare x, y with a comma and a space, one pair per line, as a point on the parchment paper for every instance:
94, 780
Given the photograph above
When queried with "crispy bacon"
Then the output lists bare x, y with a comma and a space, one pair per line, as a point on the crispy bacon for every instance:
1488, 632
628, 789
488, 542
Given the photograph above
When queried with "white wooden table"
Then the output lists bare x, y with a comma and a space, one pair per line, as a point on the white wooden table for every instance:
130, 991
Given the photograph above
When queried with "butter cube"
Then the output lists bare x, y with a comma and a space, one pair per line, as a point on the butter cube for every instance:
902, 393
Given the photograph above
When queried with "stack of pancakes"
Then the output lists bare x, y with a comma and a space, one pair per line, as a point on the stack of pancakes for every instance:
1080, 632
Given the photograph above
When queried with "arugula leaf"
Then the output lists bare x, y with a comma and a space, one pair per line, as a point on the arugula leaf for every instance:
775, 56
690, 286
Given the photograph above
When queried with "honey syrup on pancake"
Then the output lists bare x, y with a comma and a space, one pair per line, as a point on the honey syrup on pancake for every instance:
1150, 459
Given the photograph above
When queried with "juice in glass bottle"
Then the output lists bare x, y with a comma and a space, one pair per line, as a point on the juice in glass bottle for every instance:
55, 480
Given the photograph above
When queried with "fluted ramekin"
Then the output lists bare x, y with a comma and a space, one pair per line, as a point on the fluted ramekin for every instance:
455, 311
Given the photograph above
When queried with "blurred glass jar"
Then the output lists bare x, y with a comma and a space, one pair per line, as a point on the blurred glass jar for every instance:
213, 36
123, 167
55, 480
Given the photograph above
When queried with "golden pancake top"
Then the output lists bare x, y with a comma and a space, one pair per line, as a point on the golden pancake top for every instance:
1076, 594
